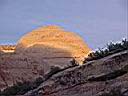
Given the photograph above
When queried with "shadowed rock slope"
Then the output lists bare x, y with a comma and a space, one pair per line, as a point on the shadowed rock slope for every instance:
104, 77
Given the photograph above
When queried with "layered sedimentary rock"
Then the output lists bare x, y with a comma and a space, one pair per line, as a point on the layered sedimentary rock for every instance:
53, 41
37, 51
104, 77
7, 48
53, 45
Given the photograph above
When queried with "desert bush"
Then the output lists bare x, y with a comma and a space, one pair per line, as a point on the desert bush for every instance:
111, 48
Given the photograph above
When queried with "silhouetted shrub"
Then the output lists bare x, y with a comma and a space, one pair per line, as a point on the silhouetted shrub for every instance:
110, 49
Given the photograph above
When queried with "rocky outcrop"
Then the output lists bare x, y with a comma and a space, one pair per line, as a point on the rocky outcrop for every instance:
36, 52
104, 77
18, 68
40, 66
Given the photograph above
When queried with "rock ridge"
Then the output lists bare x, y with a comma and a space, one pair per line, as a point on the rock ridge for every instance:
105, 74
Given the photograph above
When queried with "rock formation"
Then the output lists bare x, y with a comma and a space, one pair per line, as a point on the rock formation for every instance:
104, 77
31, 70
50, 40
53, 46
107, 76
7, 48
37, 51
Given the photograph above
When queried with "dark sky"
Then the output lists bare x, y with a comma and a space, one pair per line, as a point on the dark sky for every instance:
97, 21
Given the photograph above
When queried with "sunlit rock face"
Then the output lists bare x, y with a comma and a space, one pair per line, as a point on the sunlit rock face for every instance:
53, 44
37, 51
7, 48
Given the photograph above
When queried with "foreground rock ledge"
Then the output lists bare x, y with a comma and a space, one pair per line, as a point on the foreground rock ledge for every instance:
103, 77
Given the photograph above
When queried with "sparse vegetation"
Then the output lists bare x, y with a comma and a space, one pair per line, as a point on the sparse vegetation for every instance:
110, 49
22, 88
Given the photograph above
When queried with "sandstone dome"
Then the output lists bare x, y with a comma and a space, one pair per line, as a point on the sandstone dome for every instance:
53, 41
38, 51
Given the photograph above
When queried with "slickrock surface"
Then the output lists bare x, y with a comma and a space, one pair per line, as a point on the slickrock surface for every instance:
104, 77
36, 52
